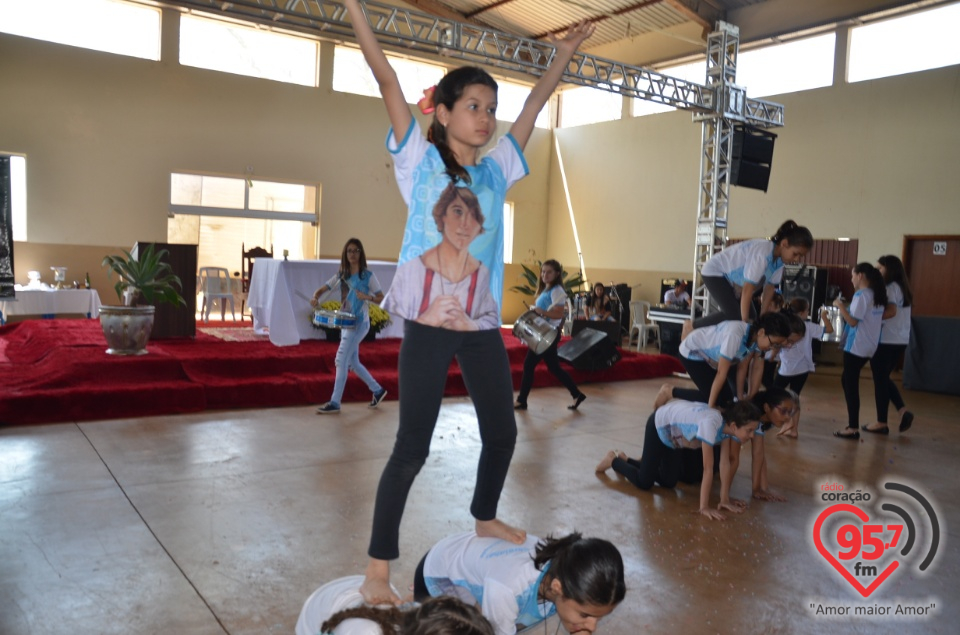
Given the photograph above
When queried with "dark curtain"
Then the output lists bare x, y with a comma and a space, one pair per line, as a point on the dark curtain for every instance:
6, 231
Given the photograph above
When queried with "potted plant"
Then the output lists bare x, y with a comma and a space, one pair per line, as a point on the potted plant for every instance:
143, 281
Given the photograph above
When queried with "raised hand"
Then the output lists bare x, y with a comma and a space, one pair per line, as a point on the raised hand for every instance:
574, 37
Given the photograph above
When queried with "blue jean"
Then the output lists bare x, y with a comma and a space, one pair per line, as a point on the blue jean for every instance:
348, 358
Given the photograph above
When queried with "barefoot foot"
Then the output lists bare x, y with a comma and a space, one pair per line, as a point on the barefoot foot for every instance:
665, 395
622, 456
607, 462
498, 529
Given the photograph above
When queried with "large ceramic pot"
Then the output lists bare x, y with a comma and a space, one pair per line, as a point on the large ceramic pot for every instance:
127, 328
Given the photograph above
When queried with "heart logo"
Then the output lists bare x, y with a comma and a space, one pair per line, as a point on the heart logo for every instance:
829, 557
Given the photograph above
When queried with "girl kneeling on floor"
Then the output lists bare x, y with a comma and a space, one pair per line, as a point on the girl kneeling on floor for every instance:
679, 446
580, 580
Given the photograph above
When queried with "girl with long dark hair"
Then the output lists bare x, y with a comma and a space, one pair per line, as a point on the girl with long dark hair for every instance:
863, 321
894, 337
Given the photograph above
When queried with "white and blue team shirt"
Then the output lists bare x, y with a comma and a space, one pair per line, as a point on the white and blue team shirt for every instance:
421, 177
688, 424
552, 297
365, 282
751, 262
798, 358
496, 574
896, 330
726, 340
863, 338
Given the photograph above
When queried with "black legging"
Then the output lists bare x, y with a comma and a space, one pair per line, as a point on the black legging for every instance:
550, 358
660, 464
723, 295
793, 382
703, 375
850, 380
425, 356
884, 390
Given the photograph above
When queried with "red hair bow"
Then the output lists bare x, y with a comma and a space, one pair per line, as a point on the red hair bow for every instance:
426, 104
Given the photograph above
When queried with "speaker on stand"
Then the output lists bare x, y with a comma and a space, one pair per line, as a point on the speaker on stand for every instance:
809, 283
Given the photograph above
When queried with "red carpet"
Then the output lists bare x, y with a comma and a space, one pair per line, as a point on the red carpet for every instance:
58, 370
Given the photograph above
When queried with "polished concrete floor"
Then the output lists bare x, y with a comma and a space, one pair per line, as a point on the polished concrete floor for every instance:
224, 522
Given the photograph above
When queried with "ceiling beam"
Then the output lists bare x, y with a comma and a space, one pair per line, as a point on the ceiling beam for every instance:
493, 5
598, 18
705, 14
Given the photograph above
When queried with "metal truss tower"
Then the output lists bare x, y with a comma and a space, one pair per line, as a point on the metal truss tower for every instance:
718, 105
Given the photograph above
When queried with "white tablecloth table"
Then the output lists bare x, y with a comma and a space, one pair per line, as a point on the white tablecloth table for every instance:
280, 292
50, 302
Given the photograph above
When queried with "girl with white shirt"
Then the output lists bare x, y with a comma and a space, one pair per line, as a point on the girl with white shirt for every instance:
708, 353
679, 445
733, 275
580, 580
894, 337
551, 304
863, 320
796, 360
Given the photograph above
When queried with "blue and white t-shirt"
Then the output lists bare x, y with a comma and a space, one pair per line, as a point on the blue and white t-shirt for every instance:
896, 330
496, 574
421, 177
863, 338
798, 358
552, 297
688, 424
365, 282
727, 340
750, 261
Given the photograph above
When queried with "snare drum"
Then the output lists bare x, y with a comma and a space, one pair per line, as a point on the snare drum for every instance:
323, 318
535, 332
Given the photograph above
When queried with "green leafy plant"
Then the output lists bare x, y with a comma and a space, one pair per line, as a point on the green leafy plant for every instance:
145, 280
531, 278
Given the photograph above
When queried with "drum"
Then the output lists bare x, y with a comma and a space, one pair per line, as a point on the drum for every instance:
835, 319
323, 318
535, 332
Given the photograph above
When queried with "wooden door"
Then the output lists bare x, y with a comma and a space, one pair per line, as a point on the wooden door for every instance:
933, 267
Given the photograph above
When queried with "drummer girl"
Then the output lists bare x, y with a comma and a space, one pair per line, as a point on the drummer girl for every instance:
733, 275
551, 305
358, 285
464, 104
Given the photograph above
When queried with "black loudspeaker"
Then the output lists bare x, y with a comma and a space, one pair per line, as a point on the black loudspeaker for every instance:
590, 350
751, 158
809, 283
612, 329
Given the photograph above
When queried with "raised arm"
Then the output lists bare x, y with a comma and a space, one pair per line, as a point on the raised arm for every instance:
566, 47
397, 108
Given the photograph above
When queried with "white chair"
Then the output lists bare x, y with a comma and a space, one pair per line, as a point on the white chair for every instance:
568, 320
641, 323
216, 287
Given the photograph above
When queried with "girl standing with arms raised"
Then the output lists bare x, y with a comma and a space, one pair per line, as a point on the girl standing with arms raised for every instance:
894, 337
551, 304
464, 121
733, 275
863, 320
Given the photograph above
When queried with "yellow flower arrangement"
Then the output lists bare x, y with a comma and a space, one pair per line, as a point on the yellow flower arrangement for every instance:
379, 319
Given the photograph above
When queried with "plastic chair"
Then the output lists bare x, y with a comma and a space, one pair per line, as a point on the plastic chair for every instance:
641, 323
215, 286
567, 328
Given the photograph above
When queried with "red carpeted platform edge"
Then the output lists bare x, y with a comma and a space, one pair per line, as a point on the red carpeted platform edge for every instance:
58, 370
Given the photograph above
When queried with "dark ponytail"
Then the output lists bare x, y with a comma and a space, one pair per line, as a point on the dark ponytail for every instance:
797, 325
590, 570
795, 235
448, 91
874, 282
897, 273
773, 397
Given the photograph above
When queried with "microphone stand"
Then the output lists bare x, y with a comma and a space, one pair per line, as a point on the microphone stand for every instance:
616, 296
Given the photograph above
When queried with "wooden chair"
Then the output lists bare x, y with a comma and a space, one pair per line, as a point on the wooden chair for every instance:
246, 273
